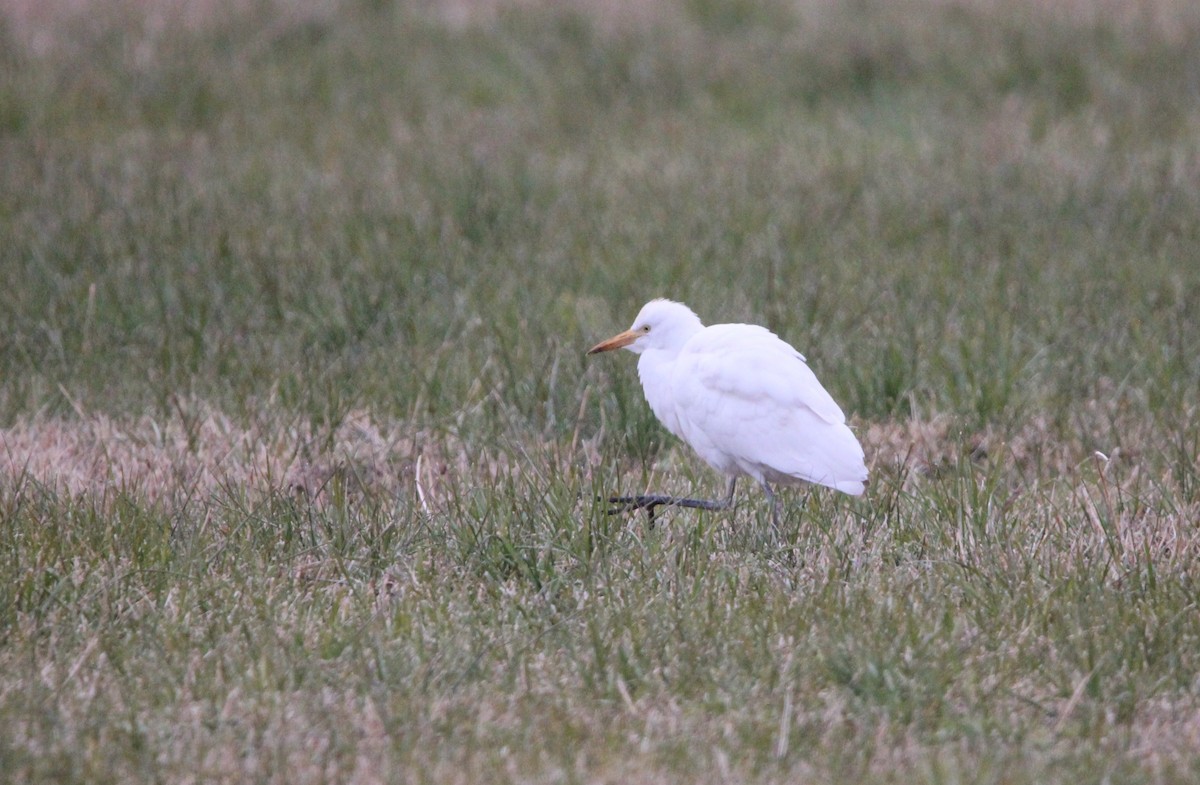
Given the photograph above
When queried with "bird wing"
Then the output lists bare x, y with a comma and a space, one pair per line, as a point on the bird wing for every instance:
751, 363
747, 401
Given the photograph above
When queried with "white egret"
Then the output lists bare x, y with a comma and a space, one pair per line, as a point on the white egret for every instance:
744, 400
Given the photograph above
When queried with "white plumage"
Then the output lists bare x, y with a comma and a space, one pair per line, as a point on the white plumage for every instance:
743, 399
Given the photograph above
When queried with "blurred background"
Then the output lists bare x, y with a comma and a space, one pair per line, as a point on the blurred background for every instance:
985, 207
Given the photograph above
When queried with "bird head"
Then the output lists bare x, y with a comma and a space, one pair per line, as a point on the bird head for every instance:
661, 324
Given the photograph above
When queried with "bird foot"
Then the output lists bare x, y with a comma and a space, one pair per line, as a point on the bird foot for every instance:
649, 502
630, 503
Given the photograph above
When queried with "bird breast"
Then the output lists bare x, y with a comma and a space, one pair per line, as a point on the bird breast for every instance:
656, 371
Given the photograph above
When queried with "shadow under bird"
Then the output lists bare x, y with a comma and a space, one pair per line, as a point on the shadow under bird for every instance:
744, 400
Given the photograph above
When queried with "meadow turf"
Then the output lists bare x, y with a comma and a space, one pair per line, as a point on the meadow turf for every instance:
300, 452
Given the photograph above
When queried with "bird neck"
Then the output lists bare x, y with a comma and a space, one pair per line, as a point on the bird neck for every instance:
655, 369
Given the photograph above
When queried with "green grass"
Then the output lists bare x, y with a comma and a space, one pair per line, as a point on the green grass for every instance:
299, 448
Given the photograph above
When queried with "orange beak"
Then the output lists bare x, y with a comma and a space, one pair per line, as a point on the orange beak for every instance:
616, 342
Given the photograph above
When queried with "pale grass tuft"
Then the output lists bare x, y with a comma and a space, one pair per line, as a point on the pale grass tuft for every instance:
202, 451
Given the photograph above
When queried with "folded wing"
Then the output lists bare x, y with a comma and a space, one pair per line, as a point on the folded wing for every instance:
748, 401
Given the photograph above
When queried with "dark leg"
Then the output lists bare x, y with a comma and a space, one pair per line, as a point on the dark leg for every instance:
650, 501
774, 506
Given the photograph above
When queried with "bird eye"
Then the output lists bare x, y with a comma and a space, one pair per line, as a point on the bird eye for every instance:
645, 328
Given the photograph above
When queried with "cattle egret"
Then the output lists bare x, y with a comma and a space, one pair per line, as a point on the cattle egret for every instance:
743, 399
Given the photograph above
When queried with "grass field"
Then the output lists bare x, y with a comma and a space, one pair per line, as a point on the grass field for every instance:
299, 448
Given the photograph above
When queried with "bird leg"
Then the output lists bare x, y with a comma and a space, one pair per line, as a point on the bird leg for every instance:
649, 502
774, 506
